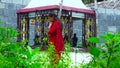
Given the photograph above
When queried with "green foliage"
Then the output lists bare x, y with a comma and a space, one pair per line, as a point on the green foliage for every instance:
94, 51
14, 54
93, 40
107, 54
65, 60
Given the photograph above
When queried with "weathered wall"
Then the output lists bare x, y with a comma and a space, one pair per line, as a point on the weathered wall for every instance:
8, 11
108, 20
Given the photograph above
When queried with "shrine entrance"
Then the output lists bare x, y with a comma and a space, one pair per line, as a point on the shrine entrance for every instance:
85, 27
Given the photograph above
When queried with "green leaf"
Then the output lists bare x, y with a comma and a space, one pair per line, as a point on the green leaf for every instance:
12, 32
94, 51
110, 35
103, 36
36, 50
93, 40
29, 50
35, 57
119, 49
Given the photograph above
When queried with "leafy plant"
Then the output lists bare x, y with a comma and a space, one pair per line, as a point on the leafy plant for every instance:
14, 54
105, 55
65, 60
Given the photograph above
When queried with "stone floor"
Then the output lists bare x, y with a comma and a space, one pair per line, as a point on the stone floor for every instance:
80, 57
73, 49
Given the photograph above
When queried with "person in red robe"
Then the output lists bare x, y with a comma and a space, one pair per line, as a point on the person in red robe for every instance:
55, 34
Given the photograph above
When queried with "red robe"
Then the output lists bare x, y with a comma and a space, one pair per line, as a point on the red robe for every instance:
55, 36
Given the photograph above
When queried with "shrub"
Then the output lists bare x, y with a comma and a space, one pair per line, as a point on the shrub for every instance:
14, 54
107, 54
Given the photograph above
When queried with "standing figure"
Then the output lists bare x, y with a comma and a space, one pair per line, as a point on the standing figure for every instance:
55, 35
74, 40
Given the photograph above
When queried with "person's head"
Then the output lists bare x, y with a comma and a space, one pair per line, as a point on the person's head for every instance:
74, 34
52, 16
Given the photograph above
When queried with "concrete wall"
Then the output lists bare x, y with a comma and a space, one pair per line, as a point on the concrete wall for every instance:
8, 11
22, 2
108, 20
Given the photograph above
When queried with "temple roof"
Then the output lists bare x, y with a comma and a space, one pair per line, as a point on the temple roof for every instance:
69, 3
74, 5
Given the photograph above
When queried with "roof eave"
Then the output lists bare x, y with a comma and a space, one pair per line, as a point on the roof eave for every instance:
25, 10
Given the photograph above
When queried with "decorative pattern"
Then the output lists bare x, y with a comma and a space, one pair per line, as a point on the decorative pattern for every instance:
39, 21
23, 21
32, 22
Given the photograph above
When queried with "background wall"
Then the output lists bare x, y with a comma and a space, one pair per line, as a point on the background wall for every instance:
8, 11
108, 20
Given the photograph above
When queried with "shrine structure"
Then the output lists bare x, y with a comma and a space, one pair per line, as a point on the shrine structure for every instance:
32, 21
